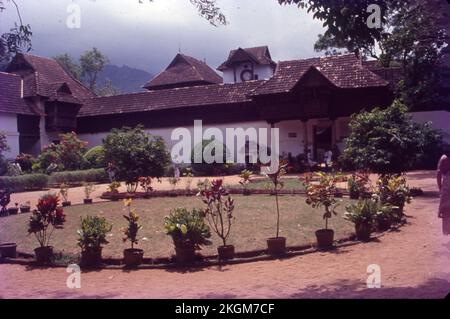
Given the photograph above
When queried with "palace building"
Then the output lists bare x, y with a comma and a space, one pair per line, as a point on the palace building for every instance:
309, 100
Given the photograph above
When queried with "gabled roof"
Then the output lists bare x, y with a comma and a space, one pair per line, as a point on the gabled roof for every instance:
259, 55
44, 76
342, 71
11, 95
184, 71
204, 95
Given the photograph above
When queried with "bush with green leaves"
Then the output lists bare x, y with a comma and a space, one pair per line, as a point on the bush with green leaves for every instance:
93, 231
95, 157
98, 175
134, 153
26, 162
187, 228
387, 141
209, 169
66, 155
22, 183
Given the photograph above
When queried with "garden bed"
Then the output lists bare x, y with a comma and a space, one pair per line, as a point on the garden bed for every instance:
255, 222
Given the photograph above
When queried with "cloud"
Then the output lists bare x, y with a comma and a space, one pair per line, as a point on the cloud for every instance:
148, 35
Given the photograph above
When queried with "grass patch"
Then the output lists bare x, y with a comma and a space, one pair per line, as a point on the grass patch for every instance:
255, 222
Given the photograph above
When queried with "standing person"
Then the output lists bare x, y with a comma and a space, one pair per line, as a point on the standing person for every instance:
443, 181
328, 159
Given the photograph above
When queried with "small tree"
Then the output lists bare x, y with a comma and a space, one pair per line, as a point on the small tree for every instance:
135, 153
133, 227
387, 141
275, 178
322, 194
219, 209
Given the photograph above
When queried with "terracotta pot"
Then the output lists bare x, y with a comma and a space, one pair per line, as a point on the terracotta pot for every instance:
87, 201
276, 246
226, 252
44, 254
354, 195
384, 224
25, 209
185, 255
133, 257
13, 211
67, 203
8, 250
91, 257
325, 238
363, 231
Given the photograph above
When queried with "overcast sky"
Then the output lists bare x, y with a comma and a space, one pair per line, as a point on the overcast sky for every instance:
148, 35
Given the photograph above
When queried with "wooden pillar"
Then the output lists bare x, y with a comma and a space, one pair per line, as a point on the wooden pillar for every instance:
305, 136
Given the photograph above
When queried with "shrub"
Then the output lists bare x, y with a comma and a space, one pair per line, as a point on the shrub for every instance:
209, 169
47, 214
387, 141
187, 228
219, 209
394, 191
95, 157
67, 155
84, 176
25, 162
134, 153
24, 182
133, 227
322, 194
93, 231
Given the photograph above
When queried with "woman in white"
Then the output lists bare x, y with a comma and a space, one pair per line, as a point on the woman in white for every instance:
443, 181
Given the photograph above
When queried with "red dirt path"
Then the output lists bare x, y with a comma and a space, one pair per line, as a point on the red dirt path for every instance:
415, 263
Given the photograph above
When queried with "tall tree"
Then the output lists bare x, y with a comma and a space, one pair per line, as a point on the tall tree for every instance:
69, 64
17, 39
92, 63
411, 35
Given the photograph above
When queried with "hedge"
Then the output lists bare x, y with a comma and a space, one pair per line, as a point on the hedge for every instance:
76, 177
22, 183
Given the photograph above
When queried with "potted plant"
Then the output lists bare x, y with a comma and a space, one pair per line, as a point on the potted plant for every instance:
188, 231
219, 214
245, 181
91, 237
89, 188
113, 189
321, 194
276, 245
132, 256
146, 184
25, 208
13, 210
363, 215
394, 190
358, 185
5, 199
48, 217
64, 192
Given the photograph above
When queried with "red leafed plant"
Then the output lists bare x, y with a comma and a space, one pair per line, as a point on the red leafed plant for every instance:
48, 213
219, 209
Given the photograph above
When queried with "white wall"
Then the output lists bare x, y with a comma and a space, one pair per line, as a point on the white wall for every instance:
264, 72
8, 125
440, 120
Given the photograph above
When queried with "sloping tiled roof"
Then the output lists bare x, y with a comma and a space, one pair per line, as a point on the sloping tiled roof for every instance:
170, 98
184, 71
48, 74
260, 55
10, 95
343, 71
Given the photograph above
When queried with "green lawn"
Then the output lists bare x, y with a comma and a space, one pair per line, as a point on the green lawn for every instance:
255, 221
291, 183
